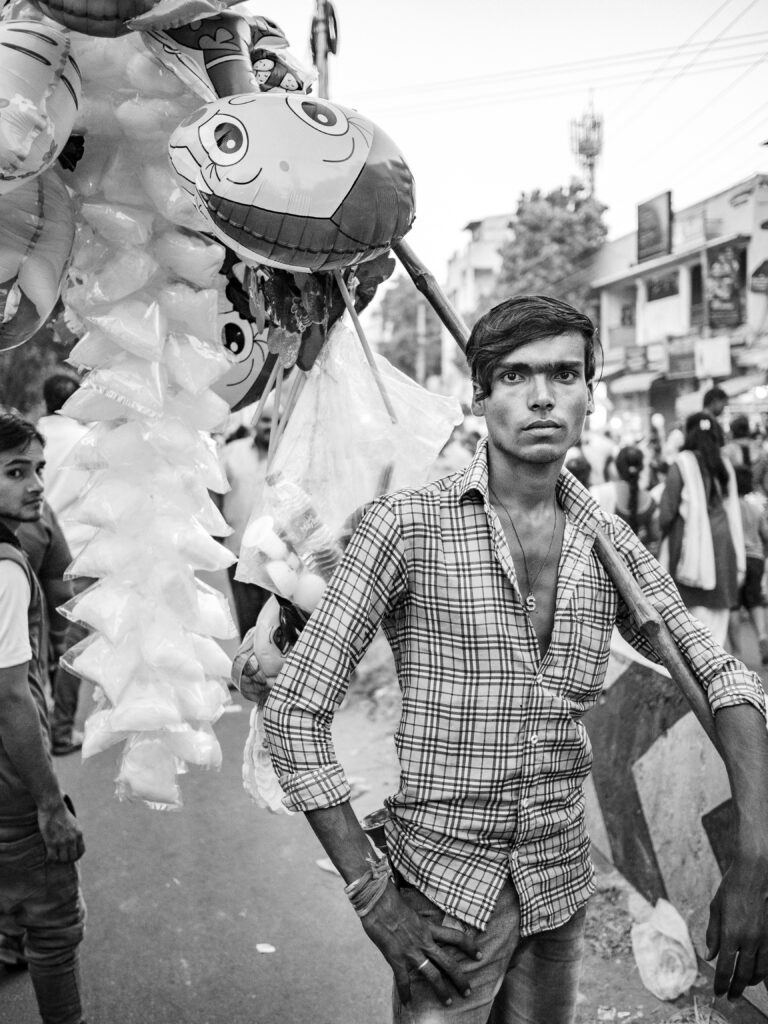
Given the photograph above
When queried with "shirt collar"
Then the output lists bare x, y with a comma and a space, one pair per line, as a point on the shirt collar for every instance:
574, 499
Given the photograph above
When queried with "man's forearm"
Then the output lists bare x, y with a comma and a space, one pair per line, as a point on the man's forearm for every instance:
343, 840
743, 737
24, 745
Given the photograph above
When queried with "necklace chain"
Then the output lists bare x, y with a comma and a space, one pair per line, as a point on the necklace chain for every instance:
530, 600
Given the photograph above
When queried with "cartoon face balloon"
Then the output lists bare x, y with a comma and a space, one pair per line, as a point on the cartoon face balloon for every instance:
293, 181
39, 99
252, 364
37, 230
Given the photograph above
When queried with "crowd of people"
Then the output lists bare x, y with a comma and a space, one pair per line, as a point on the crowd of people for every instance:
479, 903
698, 499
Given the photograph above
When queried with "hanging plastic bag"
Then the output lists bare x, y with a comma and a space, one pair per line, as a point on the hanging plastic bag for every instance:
664, 952
337, 448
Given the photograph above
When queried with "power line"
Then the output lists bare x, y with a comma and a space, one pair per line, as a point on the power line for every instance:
427, 104
705, 109
694, 60
558, 70
675, 53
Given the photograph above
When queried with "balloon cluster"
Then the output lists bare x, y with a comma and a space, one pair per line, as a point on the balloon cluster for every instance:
186, 288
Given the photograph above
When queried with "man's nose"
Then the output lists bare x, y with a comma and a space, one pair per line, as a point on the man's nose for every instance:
541, 394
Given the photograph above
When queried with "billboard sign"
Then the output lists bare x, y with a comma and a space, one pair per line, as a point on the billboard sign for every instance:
654, 227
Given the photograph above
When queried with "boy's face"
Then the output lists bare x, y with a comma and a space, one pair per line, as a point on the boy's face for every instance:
21, 483
538, 400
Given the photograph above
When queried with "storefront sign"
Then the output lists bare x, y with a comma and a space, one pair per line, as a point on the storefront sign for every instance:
654, 227
662, 286
725, 286
712, 357
682, 361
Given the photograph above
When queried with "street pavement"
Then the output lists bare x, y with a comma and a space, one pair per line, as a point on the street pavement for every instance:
179, 901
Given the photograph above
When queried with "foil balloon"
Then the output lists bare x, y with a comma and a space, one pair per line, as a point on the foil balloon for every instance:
211, 56
294, 182
114, 17
39, 98
252, 362
37, 229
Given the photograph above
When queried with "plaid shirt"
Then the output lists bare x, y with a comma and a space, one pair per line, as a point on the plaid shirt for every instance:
492, 749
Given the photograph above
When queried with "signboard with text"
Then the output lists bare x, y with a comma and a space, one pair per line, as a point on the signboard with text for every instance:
654, 227
725, 286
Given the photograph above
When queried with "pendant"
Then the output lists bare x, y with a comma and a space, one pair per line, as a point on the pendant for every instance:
530, 603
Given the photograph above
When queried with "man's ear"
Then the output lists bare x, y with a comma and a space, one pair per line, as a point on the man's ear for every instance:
478, 400
590, 399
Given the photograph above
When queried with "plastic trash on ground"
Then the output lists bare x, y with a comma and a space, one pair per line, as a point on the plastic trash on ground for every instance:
663, 950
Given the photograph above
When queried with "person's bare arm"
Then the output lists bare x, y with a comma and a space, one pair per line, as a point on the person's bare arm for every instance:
738, 923
24, 745
404, 939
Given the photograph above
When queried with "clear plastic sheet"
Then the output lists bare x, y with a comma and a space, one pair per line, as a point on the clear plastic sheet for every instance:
323, 471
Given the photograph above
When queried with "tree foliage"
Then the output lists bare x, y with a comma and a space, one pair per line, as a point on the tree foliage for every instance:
400, 305
23, 370
555, 237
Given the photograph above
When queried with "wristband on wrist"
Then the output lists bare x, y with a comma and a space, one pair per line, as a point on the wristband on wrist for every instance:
365, 892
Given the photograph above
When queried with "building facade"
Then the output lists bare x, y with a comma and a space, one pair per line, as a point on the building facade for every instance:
684, 304
470, 277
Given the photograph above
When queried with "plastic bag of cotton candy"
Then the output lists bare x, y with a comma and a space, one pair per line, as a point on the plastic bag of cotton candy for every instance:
338, 451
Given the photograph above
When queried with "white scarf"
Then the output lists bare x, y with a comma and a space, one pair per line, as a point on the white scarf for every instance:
696, 565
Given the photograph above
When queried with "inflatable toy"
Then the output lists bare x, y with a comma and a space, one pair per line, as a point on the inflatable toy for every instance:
37, 229
39, 98
294, 182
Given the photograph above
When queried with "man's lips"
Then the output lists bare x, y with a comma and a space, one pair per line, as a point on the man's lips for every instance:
543, 425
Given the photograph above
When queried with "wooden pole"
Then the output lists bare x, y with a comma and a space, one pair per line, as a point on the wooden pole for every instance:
364, 342
265, 393
297, 386
427, 284
272, 446
653, 627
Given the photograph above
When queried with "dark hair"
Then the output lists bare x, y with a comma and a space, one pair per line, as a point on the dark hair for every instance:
739, 426
629, 465
57, 389
16, 432
703, 436
714, 394
518, 321
579, 465
744, 483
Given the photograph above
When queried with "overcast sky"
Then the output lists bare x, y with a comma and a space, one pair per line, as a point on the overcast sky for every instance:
480, 95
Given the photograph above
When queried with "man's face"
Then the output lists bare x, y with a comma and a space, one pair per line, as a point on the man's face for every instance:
538, 400
21, 483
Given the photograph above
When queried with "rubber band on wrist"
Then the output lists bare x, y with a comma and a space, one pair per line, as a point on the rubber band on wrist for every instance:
365, 892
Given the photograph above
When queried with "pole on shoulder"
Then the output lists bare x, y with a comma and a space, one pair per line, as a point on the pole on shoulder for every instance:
427, 284
656, 631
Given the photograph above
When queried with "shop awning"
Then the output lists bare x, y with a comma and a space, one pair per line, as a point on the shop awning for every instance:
633, 383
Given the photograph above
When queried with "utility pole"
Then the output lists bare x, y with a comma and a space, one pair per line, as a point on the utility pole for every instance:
323, 42
704, 258
421, 342
587, 143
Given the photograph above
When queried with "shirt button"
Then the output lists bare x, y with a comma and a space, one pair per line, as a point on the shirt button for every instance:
534, 738
524, 802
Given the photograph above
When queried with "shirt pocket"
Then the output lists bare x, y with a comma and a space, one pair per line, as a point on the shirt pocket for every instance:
583, 647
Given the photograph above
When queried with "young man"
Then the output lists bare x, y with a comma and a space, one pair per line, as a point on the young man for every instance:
40, 840
63, 487
500, 617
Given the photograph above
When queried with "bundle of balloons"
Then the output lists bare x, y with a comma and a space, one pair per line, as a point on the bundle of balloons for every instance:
187, 283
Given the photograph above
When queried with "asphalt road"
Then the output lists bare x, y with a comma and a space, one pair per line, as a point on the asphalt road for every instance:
177, 902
